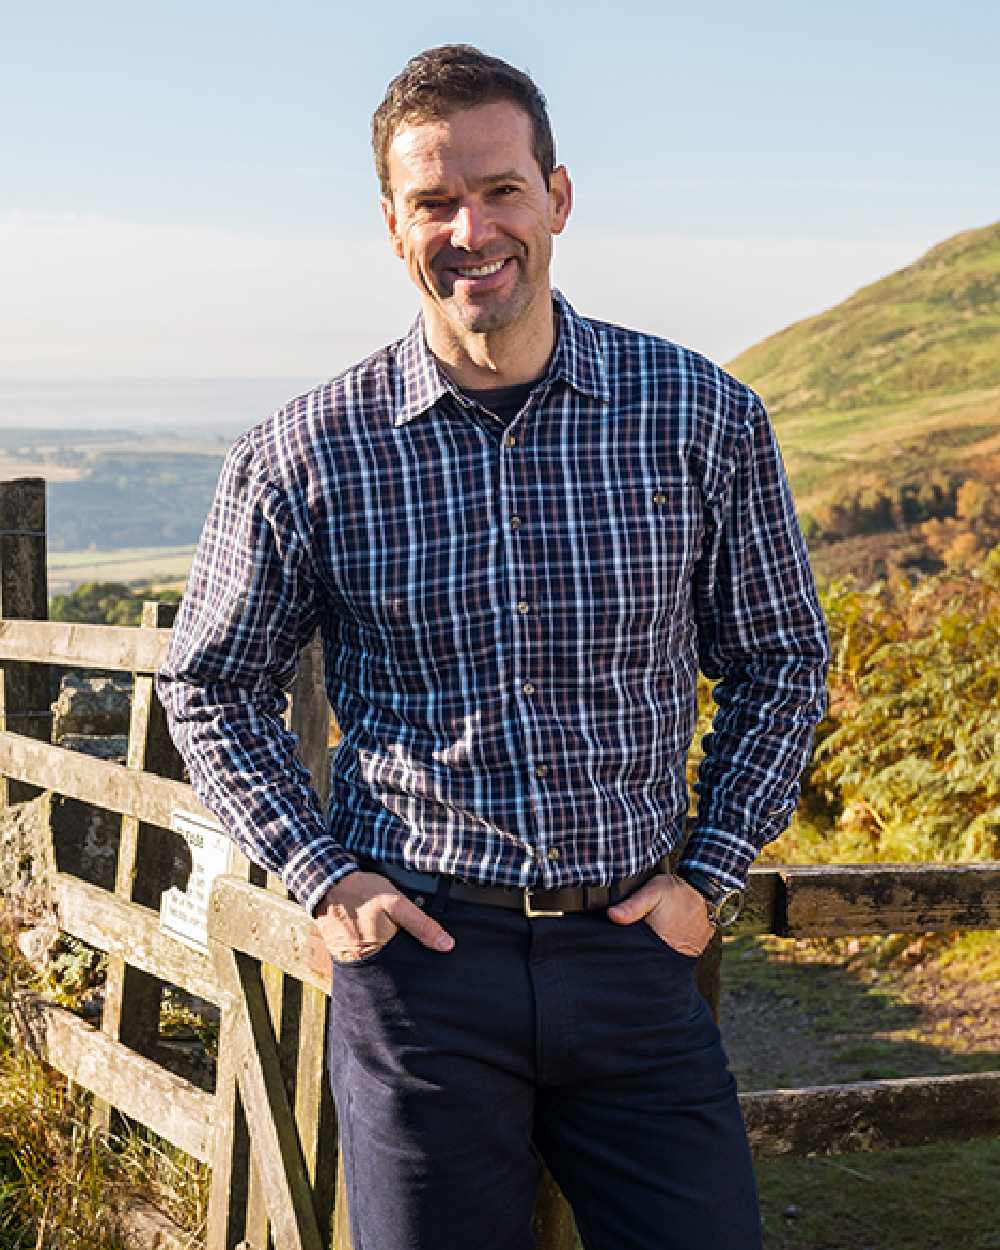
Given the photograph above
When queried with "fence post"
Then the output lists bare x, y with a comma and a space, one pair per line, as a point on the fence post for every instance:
132, 998
25, 699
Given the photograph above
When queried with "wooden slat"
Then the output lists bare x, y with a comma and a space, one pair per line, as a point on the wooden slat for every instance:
111, 786
309, 718
119, 648
170, 1106
132, 997
272, 1126
225, 1224
872, 1115
131, 932
276, 931
832, 900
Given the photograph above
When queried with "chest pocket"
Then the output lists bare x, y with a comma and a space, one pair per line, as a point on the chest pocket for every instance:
644, 547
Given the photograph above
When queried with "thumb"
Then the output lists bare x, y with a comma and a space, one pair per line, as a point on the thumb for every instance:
637, 905
423, 927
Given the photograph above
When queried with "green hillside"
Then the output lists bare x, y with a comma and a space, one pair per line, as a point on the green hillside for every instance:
888, 411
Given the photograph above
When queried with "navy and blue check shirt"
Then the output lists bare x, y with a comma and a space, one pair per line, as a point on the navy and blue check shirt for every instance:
513, 617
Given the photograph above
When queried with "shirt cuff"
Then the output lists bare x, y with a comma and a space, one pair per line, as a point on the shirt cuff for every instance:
725, 856
310, 873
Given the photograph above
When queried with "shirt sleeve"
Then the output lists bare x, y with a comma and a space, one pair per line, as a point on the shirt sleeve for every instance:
249, 608
761, 633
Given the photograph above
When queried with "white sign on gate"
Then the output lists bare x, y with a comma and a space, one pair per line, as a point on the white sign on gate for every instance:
184, 913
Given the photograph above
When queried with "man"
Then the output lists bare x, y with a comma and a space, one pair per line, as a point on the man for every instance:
519, 532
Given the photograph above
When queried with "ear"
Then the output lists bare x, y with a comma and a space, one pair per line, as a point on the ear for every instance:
560, 198
391, 224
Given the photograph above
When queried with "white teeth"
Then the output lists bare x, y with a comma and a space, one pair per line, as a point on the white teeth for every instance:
482, 271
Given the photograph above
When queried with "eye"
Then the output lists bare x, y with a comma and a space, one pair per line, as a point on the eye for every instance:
431, 204
506, 188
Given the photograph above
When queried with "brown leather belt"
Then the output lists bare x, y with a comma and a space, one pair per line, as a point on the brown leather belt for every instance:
532, 902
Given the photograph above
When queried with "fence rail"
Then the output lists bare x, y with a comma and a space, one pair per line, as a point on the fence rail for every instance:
268, 1131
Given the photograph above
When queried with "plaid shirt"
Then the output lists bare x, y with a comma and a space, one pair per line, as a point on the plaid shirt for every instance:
513, 618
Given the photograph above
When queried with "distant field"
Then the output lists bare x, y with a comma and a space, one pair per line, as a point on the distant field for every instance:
14, 466
163, 565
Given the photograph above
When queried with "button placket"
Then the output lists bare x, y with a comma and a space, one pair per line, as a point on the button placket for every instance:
519, 505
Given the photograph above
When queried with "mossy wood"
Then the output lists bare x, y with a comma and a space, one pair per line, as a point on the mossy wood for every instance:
872, 1115
136, 1086
131, 932
837, 901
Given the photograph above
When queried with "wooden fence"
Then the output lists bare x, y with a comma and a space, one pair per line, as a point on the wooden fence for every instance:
268, 1130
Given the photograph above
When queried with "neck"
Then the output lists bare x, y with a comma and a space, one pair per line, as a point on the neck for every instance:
505, 357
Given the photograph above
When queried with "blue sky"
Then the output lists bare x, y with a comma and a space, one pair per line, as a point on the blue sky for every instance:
186, 188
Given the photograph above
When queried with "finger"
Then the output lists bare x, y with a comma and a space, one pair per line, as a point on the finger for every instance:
637, 905
423, 927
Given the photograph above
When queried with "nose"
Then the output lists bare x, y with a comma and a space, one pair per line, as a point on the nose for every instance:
470, 227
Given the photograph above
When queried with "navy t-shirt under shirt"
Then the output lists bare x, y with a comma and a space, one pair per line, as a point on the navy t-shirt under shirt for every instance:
504, 402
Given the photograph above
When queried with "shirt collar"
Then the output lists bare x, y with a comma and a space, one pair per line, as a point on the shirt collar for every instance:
420, 382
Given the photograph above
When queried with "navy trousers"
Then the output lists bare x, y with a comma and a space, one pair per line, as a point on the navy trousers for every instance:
569, 1040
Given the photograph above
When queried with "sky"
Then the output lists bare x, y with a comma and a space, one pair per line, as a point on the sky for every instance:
187, 199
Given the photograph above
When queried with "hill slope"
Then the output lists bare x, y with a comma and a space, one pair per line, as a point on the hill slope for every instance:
888, 411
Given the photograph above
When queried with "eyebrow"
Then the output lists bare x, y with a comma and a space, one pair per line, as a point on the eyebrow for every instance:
488, 180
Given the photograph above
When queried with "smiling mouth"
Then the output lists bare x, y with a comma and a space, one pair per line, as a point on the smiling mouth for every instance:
479, 271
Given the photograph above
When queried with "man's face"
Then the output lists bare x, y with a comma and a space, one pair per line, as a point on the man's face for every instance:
471, 216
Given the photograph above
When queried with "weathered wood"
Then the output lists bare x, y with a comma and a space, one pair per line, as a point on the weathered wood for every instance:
553, 1222
132, 997
282, 995
111, 786
300, 1030
273, 930
833, 900
314, 1109
225, 1225
132, 933
872, 1115
229, 1192
342, 1239
762, 903
310, 718
170, 1106
118, 648
272, 1126
24, 688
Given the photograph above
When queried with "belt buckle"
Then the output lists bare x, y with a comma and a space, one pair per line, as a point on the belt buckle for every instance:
532, 912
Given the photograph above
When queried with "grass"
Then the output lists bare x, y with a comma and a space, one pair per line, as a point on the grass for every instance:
842, 1010
63, 1183
925, 1198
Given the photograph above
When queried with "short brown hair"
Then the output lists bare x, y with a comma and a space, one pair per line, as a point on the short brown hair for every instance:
455, 76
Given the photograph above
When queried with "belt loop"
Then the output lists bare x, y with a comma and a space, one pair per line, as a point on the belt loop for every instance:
443, 891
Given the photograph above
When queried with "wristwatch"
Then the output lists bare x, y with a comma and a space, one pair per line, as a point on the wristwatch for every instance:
723, 902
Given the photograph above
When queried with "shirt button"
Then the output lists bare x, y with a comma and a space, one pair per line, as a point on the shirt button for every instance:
659, 498
541, 770
510, 440
554, 852
515, 522
528, 688
523, 606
